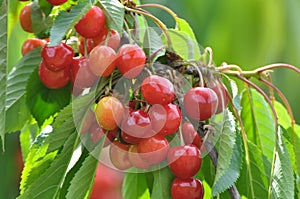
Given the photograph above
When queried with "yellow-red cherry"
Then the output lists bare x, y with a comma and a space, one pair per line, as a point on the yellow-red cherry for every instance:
31, 44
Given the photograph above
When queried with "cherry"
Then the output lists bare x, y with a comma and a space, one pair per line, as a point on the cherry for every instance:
154, 149
157, 90
56, 2
190, 188
109, 112
135, 158
136, 124
92, 23
190, 135
184, 161
31, 44
52, 79
102, 60
221, 92
131, 60
165, 119
81, 75
200, 103
97, 133
113, 40
89, 45
25, 18
118, 154
57, 57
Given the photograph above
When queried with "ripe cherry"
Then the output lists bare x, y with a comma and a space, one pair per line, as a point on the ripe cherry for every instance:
118, 154
113, 40
221, 92
190, 135
31, 44
56, 2
131, 60
157, 90
81, 75
25, 18
154, 149
190, 188
89, 45
97, 133
165, 119
92, 23
200, 103
135, 158
184, 161
109, 112
53, 79
102, 60
57, 57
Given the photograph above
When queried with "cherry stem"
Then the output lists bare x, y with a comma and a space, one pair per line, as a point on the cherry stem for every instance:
210, 51
168, 10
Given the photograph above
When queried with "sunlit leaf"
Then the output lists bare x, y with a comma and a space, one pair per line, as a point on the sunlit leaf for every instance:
283, 117
135, 185
162, 183
184, 26
27, 135
295, 140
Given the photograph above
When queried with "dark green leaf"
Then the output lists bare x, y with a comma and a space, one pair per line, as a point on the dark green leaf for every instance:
153, 43
114, 13
41, 23
283, 177
259, 122
3, 67
162, 182
135, 186
45, 6
66, 20
44, 102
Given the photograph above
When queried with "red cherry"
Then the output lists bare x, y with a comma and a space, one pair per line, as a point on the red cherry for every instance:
190, 135
89, 45
184, 161
154, 149
25, 18
56, 2
190, 188
113, 40
157, 90
52, 79
118, 154
92, 23
136, 124
31, 44
102, 60
221, 92
131, 60
81, 75
165, 119
97, 133
135, 158
200, 103
57, 57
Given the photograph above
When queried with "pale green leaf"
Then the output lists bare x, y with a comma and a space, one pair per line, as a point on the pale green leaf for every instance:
295, 140
27, 135
283, 117
153, 43
162, 182
184, 26
114, 13
135, 186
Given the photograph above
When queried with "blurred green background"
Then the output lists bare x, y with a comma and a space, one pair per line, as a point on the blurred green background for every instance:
249, 33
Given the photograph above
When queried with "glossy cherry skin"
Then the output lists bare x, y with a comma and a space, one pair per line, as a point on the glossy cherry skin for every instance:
118, 154
31, 44
109, 112
190, 188
131, 60
54, 80
136, 124
81, 75
92, 23
25, 18
154, 149
190, 135
102, 60
157, 90
97, 132
200, 103
56, 2
57, 57
135, 158
165, 119
184, 161
221, 92
113, 40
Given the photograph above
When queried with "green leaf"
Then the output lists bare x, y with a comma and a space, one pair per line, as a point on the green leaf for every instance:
152, 43
162, 182
44, 102
114, 13
283, 177
258, 121
295, 140
45, 6
41, 23
282, 114
232, 173
27, 134
135, 186
184, 26
66, 20
3, 67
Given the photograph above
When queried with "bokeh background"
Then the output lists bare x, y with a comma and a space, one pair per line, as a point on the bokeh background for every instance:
249, 33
